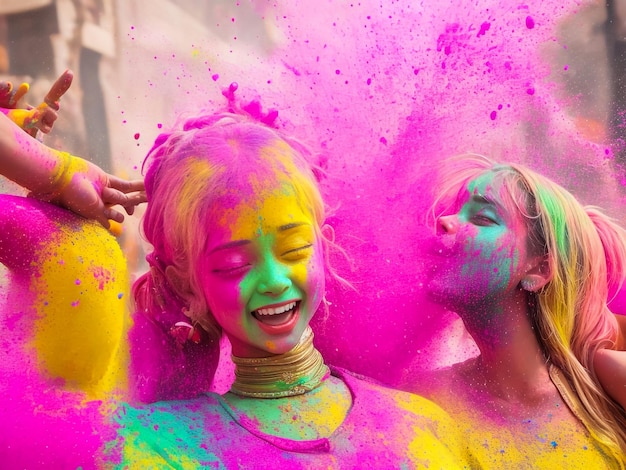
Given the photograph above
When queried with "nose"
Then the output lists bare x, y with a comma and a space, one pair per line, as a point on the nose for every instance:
275, 278
447, 224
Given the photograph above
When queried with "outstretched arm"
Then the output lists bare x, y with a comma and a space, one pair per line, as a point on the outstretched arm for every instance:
64, 179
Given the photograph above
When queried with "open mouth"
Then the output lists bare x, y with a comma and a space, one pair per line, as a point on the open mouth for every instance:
278, 318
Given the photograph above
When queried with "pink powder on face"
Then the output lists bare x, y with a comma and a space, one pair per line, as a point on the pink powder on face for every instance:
424, 82
467, 69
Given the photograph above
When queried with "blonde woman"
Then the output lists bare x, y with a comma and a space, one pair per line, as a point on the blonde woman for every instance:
525, 266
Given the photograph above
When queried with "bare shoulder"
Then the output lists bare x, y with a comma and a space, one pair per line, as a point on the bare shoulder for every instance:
610, 367
609, 360
621, 322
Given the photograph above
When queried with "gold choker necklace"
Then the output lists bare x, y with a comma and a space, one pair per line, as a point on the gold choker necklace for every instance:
295, 372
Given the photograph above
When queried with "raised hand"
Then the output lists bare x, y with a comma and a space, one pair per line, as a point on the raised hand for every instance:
42, 117
86, 189
64, 179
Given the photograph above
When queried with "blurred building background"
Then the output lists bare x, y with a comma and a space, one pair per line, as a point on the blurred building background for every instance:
95, 38
118, 51
41, 38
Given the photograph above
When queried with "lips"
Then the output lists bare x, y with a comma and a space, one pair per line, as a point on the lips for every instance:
278, 318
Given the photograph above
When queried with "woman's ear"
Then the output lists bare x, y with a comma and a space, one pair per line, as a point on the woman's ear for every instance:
537, 275
196, 308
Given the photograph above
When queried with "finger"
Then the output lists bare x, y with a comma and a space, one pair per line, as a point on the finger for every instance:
112, 214
46, 120
100, 214
5, 92
134, 199
112, 197
19, 93
58, 89
126, 186
104, 222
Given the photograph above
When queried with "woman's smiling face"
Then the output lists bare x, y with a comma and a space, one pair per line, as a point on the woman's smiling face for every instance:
482, 250
263, 271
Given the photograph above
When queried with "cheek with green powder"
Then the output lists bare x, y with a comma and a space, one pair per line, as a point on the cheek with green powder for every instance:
263, 273
490, 263
476, 266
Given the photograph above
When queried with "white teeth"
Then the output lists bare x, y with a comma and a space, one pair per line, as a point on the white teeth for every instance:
277, 310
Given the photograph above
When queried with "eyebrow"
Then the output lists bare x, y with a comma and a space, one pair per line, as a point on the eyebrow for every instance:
482, 199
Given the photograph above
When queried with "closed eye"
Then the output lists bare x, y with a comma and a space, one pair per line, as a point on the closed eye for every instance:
483, 220
297, 254
231, 270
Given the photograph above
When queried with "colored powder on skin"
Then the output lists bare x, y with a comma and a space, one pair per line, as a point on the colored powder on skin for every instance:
379, 193
75, 271
379, 190
65, 337
21, 117
259, 220
60, 363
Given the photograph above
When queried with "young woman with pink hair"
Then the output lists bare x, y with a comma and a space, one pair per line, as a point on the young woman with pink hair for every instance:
529, 270
237, 227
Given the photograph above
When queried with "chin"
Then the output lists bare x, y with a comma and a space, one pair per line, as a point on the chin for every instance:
442, 295
285, 344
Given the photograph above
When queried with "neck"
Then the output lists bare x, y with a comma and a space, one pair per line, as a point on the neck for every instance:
295, 372
511, 365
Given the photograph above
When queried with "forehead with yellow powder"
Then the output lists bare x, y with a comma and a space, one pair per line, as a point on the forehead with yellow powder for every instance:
264, 213
269, 197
